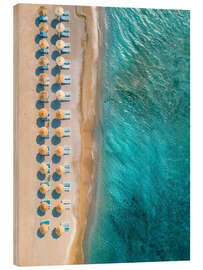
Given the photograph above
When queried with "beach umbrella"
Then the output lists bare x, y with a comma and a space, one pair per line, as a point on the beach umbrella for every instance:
60, 230
59, 11
43, 95
43, 43
43, 60
59, 151
60, 170
43, 131
60, 114
44, 229
59, 188
43, 27
60, 95
43, 150
60, 27
42, 11
60, 208
44, 188
60, 78
60, 132
60, 44
43, 168
43, 113
43, 77
60, 61
44, 206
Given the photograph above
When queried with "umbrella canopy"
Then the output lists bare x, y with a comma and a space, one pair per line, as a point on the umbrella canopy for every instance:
43, 43
42, 11
43, 95
60, 27
60, 61
44, 27
43, 77
60, 170
44, 228
60, 114
60, 95
43, 113
59, 11
43, 168
60, 44
43, 150
60, 230
60, 78
59, 151
44, 188
43, 131
60, 132
59, 188
60, 208
43, 60
44, 206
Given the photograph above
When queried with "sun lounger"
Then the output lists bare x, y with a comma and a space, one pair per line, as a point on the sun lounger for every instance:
65, 34
44, 67
66, 226
65, 51
67, 97
48, 202
44, 51
64, 18
46, 83
66, 203
67, 168
43, 18
67, 132
66, 186
47, 222
67, 115
46, 183
43, 35
66, 65
67, 80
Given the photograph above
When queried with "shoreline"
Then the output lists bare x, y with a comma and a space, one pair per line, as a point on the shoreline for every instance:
93, 209
87, 108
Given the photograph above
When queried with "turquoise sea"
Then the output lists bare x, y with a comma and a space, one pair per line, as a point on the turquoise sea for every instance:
141, 209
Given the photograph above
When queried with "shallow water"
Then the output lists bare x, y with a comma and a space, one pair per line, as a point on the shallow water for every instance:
141, 208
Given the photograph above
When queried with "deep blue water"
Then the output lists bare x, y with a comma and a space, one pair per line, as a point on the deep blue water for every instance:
141, 209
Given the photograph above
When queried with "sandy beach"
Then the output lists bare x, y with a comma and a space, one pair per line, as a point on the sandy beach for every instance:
29, 249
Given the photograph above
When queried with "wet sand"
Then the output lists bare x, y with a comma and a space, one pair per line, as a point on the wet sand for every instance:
88, 95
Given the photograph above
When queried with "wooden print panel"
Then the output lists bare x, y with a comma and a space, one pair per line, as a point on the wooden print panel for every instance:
34, 245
